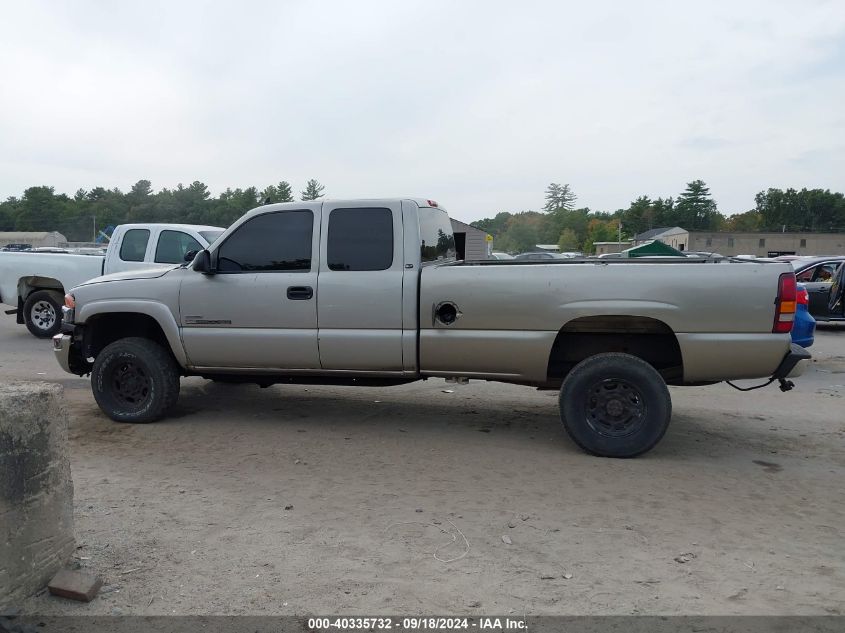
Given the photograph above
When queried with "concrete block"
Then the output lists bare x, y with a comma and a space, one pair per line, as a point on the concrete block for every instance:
36, 491
76, 585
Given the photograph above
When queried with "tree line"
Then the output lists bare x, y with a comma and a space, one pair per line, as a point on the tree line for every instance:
42, 209
561, 222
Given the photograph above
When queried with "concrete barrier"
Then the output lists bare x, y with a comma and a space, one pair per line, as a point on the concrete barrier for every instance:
36, 491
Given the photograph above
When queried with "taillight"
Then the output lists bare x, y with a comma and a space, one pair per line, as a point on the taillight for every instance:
803, 297
785, 303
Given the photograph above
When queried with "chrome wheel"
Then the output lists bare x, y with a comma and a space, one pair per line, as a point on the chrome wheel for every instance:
43, 315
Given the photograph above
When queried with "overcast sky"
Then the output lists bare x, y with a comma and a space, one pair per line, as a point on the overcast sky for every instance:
478, 105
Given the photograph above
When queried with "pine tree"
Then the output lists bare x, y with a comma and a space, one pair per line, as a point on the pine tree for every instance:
559, 197
313, 190
283, 192
695, 208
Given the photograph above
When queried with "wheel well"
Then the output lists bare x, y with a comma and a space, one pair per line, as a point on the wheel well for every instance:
102, 329
28, 285
644, 337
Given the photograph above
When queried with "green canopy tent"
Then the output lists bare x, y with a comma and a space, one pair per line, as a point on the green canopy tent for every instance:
652, 248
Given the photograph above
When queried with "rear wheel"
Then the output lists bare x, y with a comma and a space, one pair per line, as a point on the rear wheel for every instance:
135, 380
42, 313
615, 405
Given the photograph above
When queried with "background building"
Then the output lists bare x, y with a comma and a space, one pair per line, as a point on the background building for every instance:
736, 243
34, 238
603, 248
768, 244
673, 236
470, 242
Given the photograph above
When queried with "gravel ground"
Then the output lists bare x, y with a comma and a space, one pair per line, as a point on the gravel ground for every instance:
404, 500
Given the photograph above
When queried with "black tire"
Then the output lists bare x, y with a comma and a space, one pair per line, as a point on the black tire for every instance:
135, 380
615, 405
42, 313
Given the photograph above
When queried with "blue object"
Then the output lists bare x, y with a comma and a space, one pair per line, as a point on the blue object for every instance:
105, 234
804, 326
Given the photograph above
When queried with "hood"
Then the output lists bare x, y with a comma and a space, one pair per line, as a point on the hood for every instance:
126, 275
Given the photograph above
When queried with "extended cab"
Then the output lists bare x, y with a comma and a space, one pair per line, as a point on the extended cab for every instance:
369, 292
36, 282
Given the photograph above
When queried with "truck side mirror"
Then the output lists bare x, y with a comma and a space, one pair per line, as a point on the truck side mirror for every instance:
189, 256
202, 263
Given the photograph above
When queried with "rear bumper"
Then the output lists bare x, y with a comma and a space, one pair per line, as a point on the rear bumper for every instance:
794, 363
804, 327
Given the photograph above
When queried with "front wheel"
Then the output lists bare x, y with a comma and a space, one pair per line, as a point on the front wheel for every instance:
42, 313
615, 405
135, 380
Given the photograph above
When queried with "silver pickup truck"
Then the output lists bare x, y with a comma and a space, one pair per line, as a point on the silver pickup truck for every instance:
369, 292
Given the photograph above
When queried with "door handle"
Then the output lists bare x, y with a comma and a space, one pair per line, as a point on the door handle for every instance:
301, 293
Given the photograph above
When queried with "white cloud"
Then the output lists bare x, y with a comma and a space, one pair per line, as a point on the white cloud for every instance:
479, 105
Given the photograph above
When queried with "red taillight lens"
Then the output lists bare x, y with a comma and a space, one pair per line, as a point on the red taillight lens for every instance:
803, 297
785, 303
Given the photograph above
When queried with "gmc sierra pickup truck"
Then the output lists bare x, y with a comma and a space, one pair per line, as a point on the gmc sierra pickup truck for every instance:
35, 282
369, 292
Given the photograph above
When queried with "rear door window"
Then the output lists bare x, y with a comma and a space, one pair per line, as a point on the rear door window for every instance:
437, 241
360, 239
134, 245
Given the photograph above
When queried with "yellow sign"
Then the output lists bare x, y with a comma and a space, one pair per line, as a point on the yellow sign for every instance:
489, 238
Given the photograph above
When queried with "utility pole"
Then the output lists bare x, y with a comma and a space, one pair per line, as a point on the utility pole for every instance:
619, 232
94, 217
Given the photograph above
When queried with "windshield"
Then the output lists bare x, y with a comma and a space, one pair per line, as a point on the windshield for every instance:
211, 236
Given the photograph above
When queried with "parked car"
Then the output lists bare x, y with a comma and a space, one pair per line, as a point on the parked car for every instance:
539, 255
341, 292
804, 325
35, 282
500, 255
818, 275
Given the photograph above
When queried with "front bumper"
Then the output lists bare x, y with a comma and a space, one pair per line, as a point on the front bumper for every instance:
68, 355
61, 347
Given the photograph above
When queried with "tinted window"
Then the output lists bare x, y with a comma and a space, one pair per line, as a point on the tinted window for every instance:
172, 246
134, 245
360, 239
435, 235
270, 242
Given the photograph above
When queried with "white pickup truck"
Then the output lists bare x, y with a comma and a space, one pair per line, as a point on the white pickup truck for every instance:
370, 292
35, 282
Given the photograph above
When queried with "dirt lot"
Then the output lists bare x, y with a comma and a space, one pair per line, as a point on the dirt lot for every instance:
325, 500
